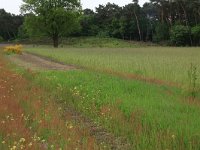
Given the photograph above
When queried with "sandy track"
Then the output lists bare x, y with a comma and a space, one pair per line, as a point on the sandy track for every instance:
33, 62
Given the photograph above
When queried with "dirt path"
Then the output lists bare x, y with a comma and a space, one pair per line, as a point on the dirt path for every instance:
33, 62
30, 120
21, 105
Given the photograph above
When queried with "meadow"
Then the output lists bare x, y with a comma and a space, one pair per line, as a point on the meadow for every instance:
150, 115
164, 63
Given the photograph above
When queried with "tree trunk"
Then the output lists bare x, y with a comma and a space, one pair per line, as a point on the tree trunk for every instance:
186, 21
170, 13
138, 25
162, 15
55, 41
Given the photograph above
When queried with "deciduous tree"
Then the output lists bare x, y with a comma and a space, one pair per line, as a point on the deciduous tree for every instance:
53, 18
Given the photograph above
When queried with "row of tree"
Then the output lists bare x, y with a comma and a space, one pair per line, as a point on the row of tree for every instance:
174, 22
9, 25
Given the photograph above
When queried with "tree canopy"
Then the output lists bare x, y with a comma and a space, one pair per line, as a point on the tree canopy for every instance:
156, 21
9, 25
152, 22
53, 18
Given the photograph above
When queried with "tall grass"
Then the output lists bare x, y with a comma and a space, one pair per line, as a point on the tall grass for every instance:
149, 116
170, 64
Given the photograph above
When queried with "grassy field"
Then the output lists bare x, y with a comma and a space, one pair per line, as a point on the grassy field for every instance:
94, 42
31, 119
169, 64
88, 42
133, 92
150, 116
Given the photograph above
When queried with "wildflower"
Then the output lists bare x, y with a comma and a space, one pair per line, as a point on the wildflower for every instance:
173, 136
22, 140
30, 144
14, 147
69, 125
3, 142
22, 146
17, 49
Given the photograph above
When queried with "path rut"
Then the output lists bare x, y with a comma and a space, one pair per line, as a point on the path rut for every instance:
33, 62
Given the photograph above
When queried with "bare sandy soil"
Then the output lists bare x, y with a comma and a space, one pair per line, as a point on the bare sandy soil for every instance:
33, 62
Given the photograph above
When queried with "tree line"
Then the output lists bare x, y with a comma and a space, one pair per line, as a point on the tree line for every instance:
9, 25
173, 22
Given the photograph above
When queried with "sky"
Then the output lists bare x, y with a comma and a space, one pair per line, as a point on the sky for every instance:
12, 6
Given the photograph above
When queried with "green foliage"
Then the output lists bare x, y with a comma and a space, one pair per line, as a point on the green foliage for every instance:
9, 24
22, 33
1, 39
52, 18
196, 34
180, 35
88, 27
161, 32
97, 42
152, 22
60, 18
193, 77
137, 111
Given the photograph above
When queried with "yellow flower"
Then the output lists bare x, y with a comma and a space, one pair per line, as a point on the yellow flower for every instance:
22, 146
69, 125
14, 147
22, 140
173, 136
16, 49
30, 144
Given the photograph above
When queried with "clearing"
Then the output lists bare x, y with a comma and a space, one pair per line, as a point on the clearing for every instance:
128, 92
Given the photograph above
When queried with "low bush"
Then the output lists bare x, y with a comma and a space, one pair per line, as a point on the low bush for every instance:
180, 35
196, 34
1, 39
15, 49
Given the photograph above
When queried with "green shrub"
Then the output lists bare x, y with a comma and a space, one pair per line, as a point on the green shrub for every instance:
162, 33
196, 34
180, 35
1, 39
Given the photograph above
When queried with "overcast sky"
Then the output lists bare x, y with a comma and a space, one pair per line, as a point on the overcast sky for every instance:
12, 6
